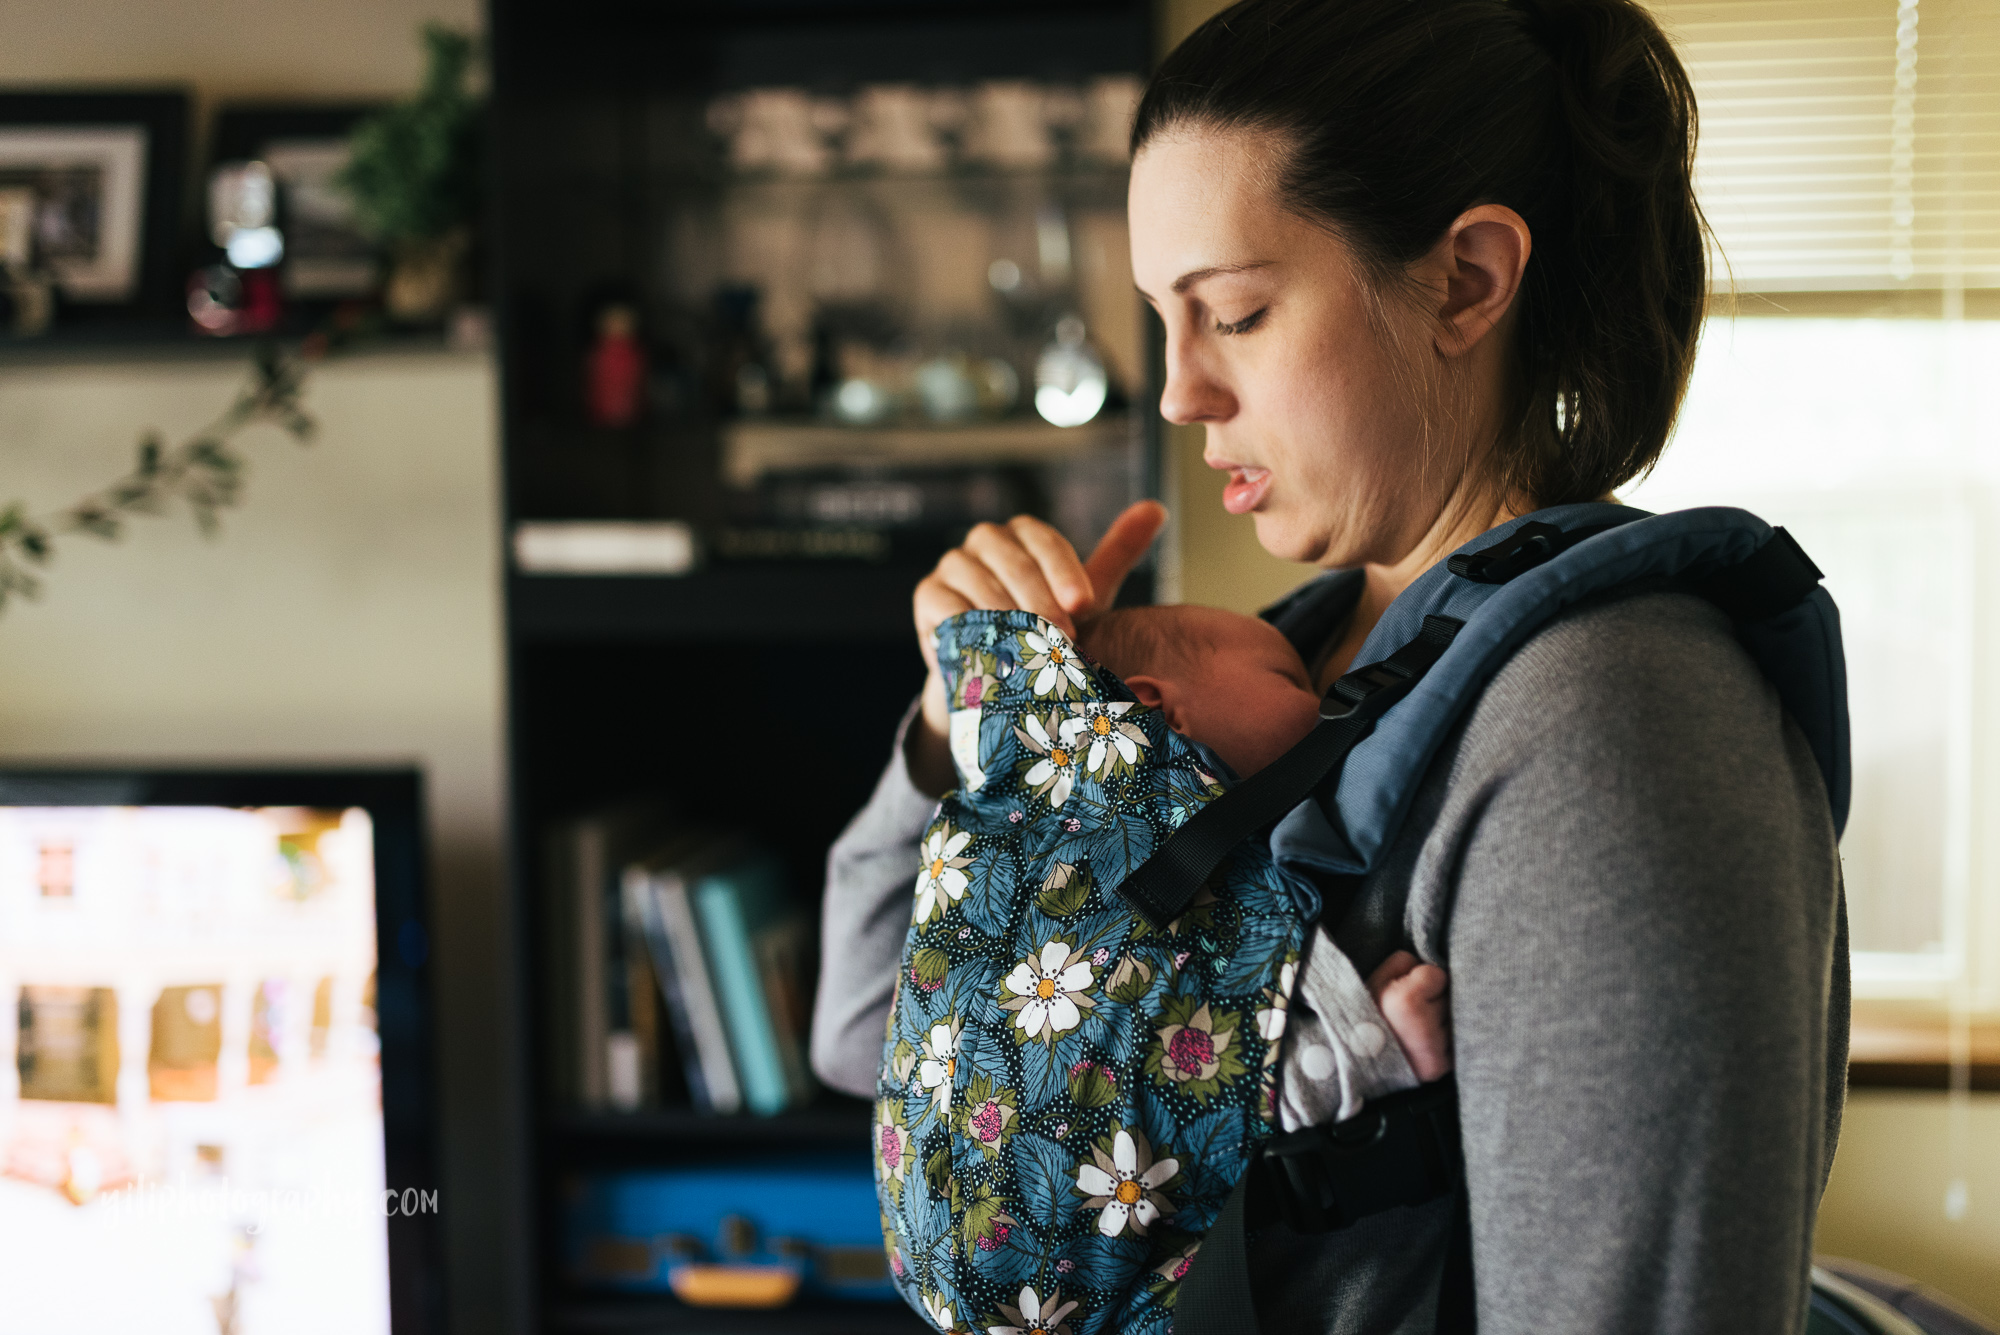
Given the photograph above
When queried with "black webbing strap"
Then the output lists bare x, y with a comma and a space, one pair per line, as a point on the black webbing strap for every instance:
1215, 1298
1399, 1150
1167, 882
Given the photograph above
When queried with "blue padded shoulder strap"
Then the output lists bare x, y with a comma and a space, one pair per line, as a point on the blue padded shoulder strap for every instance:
1798, 649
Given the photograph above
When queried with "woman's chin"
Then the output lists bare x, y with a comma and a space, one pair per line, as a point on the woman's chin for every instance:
1285, 538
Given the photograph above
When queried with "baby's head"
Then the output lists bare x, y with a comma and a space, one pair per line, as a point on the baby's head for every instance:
1229, 681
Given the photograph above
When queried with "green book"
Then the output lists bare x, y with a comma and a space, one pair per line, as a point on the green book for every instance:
755, 941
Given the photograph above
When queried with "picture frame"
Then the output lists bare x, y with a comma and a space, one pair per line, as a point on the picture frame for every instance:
106, 171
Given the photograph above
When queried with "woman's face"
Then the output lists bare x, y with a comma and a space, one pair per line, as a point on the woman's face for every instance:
1308, 404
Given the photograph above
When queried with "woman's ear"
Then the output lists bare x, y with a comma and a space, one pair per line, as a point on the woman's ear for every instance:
1476, 270
1156, 694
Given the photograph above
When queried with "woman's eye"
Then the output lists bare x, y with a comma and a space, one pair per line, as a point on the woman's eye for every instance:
1244, 325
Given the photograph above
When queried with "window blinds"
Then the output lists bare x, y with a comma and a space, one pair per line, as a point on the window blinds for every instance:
1847, 145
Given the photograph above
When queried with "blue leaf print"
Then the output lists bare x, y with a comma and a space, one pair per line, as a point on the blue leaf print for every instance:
1045, 1172
1118, 845
1260, 947
1044, 1070
1008, 1265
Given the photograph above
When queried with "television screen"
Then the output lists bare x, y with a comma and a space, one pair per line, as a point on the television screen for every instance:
191, 1125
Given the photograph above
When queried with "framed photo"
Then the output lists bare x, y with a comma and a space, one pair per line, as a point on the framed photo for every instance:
87, 187
98, 177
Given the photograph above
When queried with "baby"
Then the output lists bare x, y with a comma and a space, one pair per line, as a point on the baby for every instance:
1236, 685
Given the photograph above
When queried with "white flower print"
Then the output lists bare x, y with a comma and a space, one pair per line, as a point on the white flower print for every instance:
1124, 1187
1271, 1020
940, 1313
962, 732
1048, 991
1054, 773
1036, 1315
940, 1061
1053, 661
1101, 726
941, 879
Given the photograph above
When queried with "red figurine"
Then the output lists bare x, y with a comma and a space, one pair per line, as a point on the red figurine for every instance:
615, 387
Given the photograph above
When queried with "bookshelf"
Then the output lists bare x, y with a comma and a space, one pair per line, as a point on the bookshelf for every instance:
763, 682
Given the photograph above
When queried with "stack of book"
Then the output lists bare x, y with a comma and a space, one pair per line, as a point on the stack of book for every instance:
681, 969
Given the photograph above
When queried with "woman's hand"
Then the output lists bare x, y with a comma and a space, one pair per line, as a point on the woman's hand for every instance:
1022, 564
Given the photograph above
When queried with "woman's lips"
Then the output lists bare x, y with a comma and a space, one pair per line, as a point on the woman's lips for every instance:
1246, 488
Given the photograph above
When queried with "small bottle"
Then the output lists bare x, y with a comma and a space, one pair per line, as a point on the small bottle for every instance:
615, 388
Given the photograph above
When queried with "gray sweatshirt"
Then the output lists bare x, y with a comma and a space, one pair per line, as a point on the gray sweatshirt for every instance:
1625, 860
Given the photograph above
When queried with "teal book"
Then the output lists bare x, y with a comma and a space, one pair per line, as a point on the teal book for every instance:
755, 941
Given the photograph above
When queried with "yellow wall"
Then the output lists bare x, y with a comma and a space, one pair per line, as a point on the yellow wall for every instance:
1899, 1151
242, 49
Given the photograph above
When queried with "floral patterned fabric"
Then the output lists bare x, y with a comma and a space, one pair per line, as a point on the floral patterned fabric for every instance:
1067, 1095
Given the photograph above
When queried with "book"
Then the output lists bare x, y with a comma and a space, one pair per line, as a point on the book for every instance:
660, 911
591, 1021
756, 941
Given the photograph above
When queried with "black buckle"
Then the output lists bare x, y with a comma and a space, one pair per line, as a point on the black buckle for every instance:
1522, 550
1400, 1150
1362, 685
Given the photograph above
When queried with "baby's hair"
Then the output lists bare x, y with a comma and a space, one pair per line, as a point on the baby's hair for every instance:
1134, 640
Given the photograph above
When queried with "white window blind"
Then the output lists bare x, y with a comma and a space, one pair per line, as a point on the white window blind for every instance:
1847, 145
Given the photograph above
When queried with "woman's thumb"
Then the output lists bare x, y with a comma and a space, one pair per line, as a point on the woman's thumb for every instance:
1121, 547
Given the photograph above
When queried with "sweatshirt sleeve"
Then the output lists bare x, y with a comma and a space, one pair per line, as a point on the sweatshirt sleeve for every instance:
870, 871
1643, 962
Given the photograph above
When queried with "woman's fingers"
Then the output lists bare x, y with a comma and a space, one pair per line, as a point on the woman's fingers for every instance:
1061, 568
1028, 565
1130, 534
974, 580
1003, 552
935, 600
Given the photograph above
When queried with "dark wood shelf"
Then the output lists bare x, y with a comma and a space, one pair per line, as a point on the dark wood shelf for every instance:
790, 601
637, 1314
842, 1124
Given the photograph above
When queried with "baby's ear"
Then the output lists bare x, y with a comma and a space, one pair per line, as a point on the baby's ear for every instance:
1154, 694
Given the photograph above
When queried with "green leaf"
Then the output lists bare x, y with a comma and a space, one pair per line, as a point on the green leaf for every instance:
930, 966
937, 1172
1130, 979
1093, 1086
1066, 891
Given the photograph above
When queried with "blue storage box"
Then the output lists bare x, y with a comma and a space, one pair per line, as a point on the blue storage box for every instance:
655, 1230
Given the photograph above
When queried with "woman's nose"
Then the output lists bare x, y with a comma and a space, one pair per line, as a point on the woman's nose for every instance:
1192, 392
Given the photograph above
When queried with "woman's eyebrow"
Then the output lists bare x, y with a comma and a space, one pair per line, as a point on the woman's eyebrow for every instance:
1187, 280
1193, 276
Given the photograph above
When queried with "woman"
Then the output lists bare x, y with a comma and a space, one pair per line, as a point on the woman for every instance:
1424, 266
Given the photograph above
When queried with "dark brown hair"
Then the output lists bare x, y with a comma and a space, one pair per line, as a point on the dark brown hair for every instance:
1399, 115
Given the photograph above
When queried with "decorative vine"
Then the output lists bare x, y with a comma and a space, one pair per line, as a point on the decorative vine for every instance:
205, 472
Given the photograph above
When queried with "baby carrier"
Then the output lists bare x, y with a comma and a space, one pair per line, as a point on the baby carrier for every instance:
1077, 1096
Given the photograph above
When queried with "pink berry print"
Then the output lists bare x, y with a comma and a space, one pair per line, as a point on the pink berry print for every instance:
1191, 1049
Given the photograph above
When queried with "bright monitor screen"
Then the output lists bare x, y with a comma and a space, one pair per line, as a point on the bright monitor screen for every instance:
191, 1130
